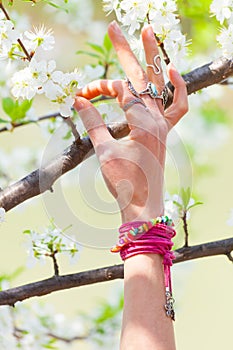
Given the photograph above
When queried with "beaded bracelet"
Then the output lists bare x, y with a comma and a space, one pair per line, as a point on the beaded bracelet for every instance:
135, 232
150, 237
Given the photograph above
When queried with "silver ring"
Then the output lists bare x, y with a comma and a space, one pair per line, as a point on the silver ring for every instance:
155, 66
133, 102
165, 95
153, 93
131, 88
151, 90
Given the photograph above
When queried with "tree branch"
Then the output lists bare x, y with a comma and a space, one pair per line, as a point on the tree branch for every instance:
17, 125
56, 283
41, 180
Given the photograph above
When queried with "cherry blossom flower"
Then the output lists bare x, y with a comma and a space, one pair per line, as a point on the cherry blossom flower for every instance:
23, 84
41, 37
222, 9
225, 39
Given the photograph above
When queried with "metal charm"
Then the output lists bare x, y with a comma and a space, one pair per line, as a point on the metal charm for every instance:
169, 306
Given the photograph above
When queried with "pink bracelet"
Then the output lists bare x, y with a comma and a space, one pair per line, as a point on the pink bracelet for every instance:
152, 237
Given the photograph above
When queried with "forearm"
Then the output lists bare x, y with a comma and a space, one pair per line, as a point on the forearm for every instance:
145, 324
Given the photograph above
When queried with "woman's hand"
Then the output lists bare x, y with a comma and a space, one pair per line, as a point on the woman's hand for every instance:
133, 168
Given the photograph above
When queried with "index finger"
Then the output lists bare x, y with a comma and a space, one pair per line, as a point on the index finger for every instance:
128, 60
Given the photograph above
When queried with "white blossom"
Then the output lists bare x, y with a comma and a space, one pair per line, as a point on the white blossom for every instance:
23, 84
161, 15
2, 214
78, 14
112, 5
225, 39
230, 219
8, 35
90, 73
40, 37
41, 245
222, 9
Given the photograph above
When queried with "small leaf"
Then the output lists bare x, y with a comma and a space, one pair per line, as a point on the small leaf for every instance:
194, 205
185, 195
107, 43
27, 232
14, 109
8, 105
178, 204
3, 121
79, 52
96, 48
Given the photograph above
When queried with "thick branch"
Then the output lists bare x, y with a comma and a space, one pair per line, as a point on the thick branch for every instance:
41, 180
50, 285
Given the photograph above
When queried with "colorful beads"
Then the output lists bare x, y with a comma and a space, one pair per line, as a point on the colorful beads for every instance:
131, 234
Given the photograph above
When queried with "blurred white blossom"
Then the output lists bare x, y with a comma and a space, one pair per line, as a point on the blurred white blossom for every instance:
225, 40
230, 219
222, 9
78, 14
49, 243
2, 214
161, 15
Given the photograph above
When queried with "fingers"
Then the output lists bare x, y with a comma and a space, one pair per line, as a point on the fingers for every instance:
128, 60
137, 115
154, 70
111, 88
179, 106
92, 121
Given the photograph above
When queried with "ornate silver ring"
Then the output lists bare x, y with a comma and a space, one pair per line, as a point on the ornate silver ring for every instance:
155, 66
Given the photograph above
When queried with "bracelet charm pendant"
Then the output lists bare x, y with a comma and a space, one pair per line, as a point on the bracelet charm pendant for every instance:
169, 306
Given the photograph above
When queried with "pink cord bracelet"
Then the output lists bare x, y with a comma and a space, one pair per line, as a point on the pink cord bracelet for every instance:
151, 237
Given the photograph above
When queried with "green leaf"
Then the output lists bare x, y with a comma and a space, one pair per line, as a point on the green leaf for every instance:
68, 135
3, 121
79, 52
27, 232
56, 6
14, 109
96, 48
194, 205
8, 105
178, 204
107, 43
185, 195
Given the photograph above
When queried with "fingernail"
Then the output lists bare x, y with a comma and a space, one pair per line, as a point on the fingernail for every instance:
79, 103
115, 26
151, 31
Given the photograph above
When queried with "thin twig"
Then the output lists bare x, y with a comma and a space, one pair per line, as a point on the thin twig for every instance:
230, 257
55, 263
164, 52
74, 130
185, 227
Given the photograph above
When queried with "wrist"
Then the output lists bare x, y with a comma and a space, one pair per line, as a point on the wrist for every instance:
135, 213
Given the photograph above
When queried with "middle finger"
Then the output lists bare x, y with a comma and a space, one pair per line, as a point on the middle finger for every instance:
130, 64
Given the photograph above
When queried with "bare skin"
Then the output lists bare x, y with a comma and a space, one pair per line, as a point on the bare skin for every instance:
133, 169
